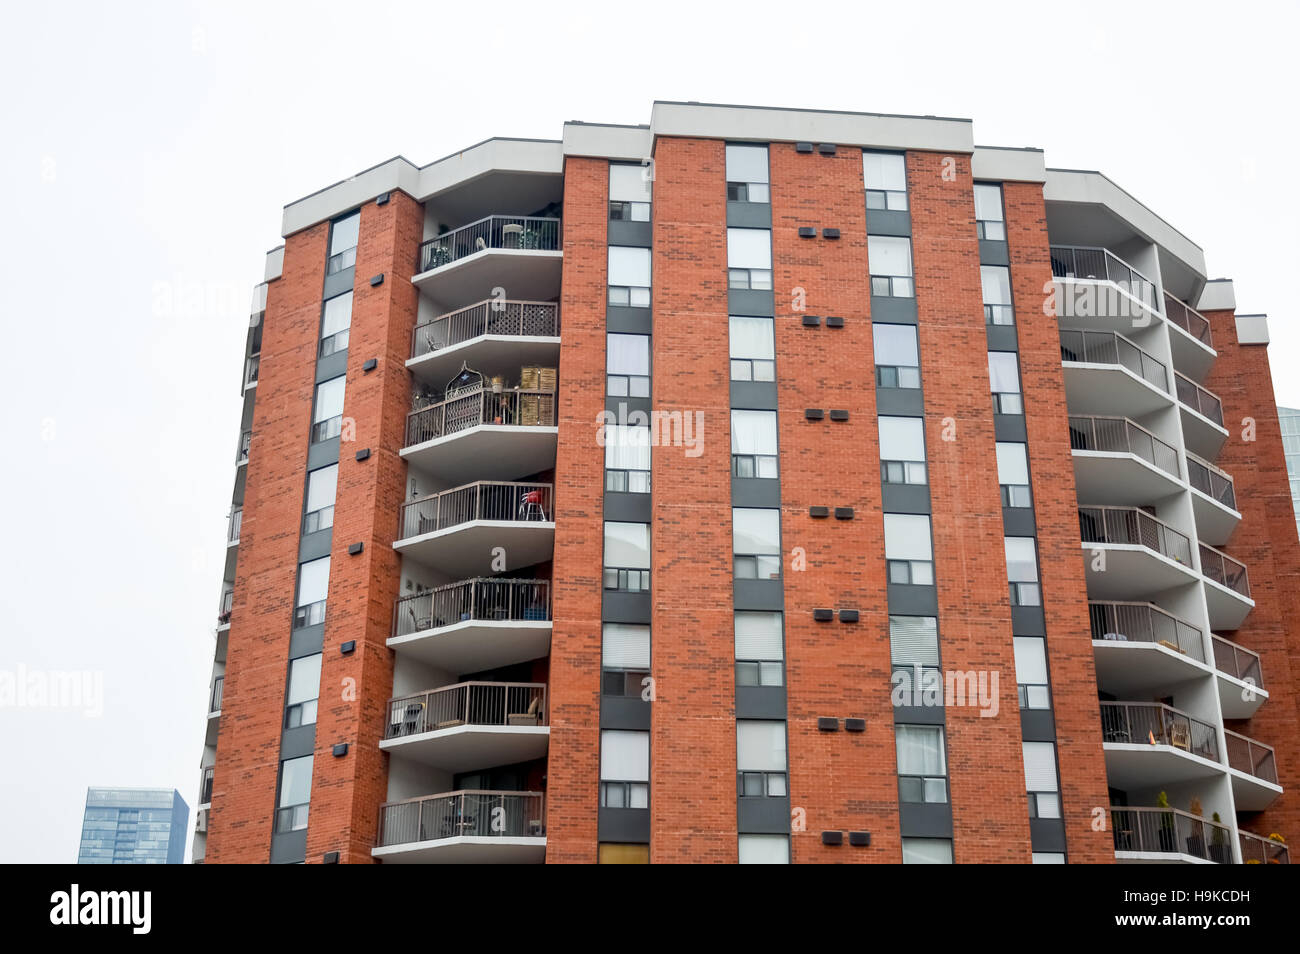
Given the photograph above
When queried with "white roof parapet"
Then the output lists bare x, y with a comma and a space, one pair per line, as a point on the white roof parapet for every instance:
601, 141
274, 264
1252, 329
1218, 295
1008, 164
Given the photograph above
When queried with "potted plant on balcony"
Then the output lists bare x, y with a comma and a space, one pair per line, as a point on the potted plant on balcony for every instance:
1196, 840
1218, 841
1166, 829
1279, 840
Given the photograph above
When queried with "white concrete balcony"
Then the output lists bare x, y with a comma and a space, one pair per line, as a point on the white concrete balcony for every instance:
1149, 745
1240, 678
467, 827
1119, 462
1142, 555
214, 710
519, 252
483, 433
1107, 374
475, 625
1168, 836
459, 531
1139, 648
1253, 769
1189, 338
1214, 501
1202, 414
1097, 288
1227, 589
493, 336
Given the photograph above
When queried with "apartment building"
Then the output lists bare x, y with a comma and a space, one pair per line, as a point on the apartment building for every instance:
133, 826
755, 485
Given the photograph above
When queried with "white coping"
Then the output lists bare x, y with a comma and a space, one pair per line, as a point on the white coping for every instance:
1007, 164
1252, 329
274, 264
1218, 295
607, 142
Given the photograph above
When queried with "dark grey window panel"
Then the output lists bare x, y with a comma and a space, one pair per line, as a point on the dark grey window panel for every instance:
619, 712
826, 148
888, 222
831, 233
919, 715
832, 838
905, 498
753, 395
306, 641
748, 301
631, 825
636, 234
621, 407
758, 595
907, 599
749, 215
917, 820
246, 417
1001, 337
755, 492
626, 320
1047, 834
241, 478
1028, 621
895, 311
760, 702
994, 253
323, 454
1018, 521
627, 508
901, 401
313, 546
1010, 427
859, 839
803, 147
289, 847
338, 283
297, 742
1037, 725
625, 607
332, 365
763, 815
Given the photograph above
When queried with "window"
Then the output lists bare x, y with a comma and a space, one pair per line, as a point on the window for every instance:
336, 319
756, 543
753, 351
1040, 780
627, 557
989, 223
343, 243
996, 282
895, 355
1048, 858
629, 276
753, 444
295, 793
629, 193
747, 174
610, 853
886, 180
749, 259
1022, 571
322, 485
889, 260
760, 653
624, 658
764, 850
1031, 672
1004, 380
902, 450
927, 851
627, 365
627, 459
313, 584
760, 759
908, 556
327, 419
624, 769
914, 656
922, 769
304, 690
1013, 474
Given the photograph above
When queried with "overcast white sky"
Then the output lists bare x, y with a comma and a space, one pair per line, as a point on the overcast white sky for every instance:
148, 149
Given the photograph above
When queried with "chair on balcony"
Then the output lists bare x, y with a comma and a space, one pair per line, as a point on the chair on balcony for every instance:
530, 507
1180, 737
532, 717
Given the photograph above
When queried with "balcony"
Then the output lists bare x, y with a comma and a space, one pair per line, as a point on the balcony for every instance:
1143, 555
471, 725
1257, 850
214, 711
1139, 647
1202, 414
1214, 501
251, 368
1107, 374
1193, 350
1118, 462
1093, 286
1253, 772
1150, 744
495, 336
475, 624
1227, 589
1163, 835
463, 265
245, 439
224, 607
483, 432
1240, 678
457, 531
205, 787
469, 827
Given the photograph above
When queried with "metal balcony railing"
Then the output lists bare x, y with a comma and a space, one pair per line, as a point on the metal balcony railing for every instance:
205, 786
1224, 570
236, 521
225, 605
467, 703
1258, 850
1206, 403
477, 599
1154, 723
494, 231
1130, 525
513, 406
244, 440
1237, 661
510, 318
1099, 264
1187, 318
482, 500
1120, 435
1253, 758
218, 685
251, 368
478, 814
1144, 623
1211, 481
1170, 830
1110, 347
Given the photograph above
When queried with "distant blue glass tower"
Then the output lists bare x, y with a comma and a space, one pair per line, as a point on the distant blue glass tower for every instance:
1289, 418
133, 826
